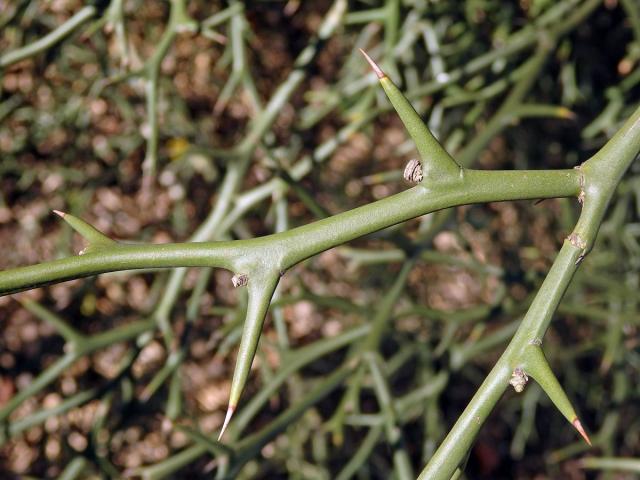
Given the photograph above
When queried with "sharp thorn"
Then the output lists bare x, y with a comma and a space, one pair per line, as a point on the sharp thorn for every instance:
227, 419
374, 65
59, 213
580, 429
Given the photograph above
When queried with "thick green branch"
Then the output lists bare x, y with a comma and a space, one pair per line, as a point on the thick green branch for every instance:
600, 177
283, 250
120, 257
472, 186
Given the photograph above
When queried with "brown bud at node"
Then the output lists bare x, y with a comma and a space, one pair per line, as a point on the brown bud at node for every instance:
518, 380
413, 171
239, 280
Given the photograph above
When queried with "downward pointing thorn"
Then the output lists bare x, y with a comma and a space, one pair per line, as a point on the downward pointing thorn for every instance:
374, 65
227, 419
578, 427
59, 213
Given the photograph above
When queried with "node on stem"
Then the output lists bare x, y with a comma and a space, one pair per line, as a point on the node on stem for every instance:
519, 379
413, 171
239, 280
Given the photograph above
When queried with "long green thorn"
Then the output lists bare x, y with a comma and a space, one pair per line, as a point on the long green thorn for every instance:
437, 164
90, 233
537, 366
261, 288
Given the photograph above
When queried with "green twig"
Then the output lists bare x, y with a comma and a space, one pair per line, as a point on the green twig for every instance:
78, 19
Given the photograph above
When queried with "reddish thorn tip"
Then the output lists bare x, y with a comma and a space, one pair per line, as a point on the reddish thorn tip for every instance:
374, 65
59, 213
567, 114
227, 419
578, 427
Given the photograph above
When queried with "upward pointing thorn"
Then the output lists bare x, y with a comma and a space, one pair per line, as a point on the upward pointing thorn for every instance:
578, 427
59, 213
374, 65
227, 419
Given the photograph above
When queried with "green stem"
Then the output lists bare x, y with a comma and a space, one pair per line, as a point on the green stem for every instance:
471, 186
211, 229
292, 363
70, 334
617, 464
455, 446
45, 378
519, 41
401, 459
50, 39
361, 454
39, 417
379, 325
250, 446
74, 469
121, 257
247, 448
283, 250
600, 177
86, 346
178, 21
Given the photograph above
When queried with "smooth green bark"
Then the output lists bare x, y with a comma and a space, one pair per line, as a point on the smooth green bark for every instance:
600, 177
281, 251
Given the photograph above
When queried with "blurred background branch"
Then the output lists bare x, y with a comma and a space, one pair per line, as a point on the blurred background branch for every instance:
266, 119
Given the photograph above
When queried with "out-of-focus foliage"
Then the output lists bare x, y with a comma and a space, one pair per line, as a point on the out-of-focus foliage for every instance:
530, 84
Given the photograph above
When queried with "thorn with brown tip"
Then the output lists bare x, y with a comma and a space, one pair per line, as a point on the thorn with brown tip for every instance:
374, 65
59, 213
227, 419
578, 426
566, 113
